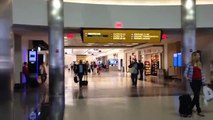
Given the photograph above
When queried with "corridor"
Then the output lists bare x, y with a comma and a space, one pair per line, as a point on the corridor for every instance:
110, 96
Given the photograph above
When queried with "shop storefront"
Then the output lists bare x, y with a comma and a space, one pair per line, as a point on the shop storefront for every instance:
152, 58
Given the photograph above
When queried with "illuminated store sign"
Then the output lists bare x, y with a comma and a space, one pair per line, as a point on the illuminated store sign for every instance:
121, 36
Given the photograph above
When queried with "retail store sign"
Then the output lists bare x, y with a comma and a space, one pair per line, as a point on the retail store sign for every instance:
121, 36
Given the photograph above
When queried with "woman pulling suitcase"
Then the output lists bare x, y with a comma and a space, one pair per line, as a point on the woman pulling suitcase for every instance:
194, 73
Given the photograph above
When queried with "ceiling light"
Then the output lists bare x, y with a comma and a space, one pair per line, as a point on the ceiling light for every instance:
90, 43
134, 43
39, 48
189, 4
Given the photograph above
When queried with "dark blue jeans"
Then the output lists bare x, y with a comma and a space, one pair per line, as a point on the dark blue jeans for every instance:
134, 78
80, 76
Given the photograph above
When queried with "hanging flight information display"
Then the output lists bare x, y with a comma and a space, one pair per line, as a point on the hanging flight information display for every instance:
121, 36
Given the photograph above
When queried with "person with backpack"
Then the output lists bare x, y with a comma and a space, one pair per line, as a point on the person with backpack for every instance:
195, 75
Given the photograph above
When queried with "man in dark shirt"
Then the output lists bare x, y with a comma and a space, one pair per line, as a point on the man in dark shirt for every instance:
141, 67
25, 72
80, 71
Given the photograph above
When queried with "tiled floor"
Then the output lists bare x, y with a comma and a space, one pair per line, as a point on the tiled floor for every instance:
137, 108
116, 84
109, 96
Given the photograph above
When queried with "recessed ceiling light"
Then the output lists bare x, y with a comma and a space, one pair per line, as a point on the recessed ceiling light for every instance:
88, 45
134, 43
106, 45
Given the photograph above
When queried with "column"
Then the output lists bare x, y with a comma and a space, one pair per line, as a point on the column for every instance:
56, 59
188, 14
6, 45
6, 64
18, 56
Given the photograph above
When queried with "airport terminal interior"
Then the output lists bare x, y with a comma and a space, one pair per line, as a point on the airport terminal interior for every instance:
105, 59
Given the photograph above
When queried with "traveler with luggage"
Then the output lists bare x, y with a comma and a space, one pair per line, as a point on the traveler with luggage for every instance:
194, 73
134, 72
80, 71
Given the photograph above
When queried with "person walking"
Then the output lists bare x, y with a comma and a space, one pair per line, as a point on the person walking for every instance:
75, 68
25, 71
141, 67
87, 69
134, 72
80, 70
195, 75
43, 72
94, 68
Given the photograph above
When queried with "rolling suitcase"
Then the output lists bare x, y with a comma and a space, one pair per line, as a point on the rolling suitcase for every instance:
185, 109
84, 82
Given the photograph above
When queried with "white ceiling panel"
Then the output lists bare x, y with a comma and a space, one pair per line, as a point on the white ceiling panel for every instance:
95, 52
137, 2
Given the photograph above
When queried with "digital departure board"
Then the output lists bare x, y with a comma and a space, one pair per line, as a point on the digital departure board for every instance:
121, 36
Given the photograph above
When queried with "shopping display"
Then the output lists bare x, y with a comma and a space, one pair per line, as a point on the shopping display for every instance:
154, 64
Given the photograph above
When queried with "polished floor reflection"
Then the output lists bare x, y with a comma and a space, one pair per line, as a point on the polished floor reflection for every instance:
116, 84
109, 96
130, 108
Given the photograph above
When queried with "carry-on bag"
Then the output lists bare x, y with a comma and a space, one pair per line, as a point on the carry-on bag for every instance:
207, 94
185, 109
84, 81
76, 79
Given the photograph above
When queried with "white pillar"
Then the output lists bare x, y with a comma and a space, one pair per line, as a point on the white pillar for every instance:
56, 59
188, 15
6, 60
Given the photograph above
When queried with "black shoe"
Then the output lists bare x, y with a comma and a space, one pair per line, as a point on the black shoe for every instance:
201, 114
185, 116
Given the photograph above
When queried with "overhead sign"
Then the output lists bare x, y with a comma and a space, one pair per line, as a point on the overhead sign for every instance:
121, 36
